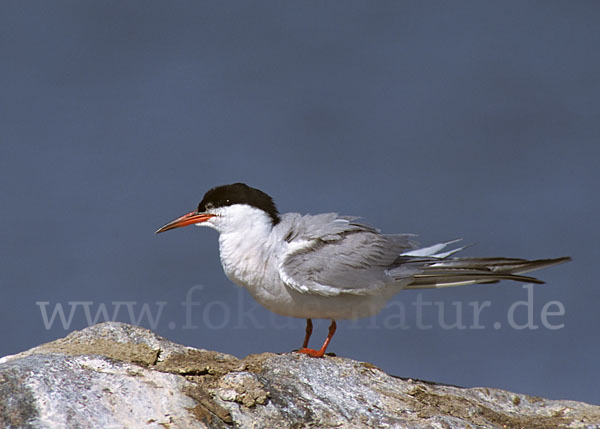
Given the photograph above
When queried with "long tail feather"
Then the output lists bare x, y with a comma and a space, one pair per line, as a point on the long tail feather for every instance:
438, 270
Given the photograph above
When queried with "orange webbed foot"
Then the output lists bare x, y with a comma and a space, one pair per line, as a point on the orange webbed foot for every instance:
312, 352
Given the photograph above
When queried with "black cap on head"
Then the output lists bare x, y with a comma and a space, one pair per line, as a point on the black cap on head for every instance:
239, 193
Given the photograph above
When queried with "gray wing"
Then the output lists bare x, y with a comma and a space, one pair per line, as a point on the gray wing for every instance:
331, 255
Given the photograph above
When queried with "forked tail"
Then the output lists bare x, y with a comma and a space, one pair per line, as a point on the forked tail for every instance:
436, 270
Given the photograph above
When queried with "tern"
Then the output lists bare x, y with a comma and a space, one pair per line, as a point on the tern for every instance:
328, 266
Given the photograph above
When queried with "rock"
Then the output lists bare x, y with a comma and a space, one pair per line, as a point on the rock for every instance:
114, 375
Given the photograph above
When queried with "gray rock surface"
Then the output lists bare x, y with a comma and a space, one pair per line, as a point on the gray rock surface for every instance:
114, 375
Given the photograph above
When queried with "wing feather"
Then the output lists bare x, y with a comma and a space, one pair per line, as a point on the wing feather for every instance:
331, 255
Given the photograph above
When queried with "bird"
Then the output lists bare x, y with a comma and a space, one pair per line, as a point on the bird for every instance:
327, 266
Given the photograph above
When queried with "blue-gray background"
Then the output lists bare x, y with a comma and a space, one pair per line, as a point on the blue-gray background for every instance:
447, 119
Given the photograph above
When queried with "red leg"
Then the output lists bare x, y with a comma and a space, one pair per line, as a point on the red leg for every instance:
321, 352
308, 333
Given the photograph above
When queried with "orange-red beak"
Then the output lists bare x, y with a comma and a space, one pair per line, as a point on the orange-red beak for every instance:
185, 220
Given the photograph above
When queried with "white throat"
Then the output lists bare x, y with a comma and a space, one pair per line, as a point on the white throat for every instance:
245, 242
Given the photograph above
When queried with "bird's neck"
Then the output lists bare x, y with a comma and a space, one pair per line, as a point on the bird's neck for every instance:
246, 249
